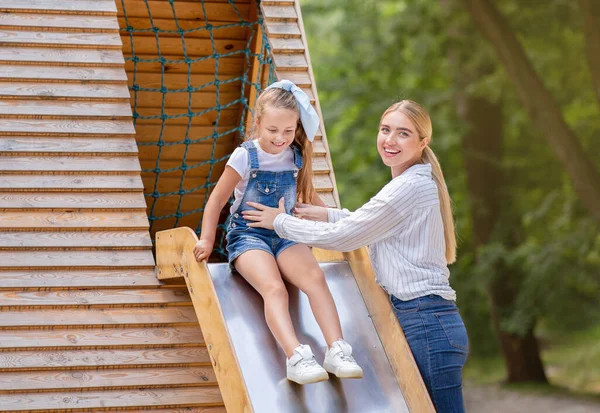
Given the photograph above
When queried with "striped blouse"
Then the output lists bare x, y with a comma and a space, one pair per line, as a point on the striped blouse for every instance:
402, 225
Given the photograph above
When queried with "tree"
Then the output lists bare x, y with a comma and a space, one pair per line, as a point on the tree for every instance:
537, 100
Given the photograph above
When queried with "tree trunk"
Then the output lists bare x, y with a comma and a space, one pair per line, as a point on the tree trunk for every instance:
489, 193
541, 106
590, 10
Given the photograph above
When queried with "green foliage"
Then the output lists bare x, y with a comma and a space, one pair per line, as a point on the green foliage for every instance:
368, 54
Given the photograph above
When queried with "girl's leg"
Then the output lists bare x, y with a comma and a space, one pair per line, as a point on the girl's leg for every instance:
299, 267
260, 269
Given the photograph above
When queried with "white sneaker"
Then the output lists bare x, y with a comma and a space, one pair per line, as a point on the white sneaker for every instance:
339, 361
302, 367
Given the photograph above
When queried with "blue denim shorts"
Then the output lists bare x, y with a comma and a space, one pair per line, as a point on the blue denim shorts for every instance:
242, 238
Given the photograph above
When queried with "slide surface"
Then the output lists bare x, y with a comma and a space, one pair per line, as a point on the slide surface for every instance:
262, 362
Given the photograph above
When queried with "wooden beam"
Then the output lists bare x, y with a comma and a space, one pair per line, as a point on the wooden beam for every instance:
175, 259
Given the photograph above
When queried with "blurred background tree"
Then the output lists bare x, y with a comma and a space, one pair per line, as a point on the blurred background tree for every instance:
516, 114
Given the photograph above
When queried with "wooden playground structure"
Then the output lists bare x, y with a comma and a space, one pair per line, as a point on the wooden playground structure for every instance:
89, 320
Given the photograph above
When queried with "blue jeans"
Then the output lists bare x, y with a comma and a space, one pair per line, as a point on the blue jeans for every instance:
438, 340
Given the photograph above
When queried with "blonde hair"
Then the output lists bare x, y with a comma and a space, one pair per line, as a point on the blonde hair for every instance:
420, 118
282, 99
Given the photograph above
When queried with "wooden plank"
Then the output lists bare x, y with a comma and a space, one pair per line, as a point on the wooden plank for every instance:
175, 248
169, 27
215, 11
286, 45
48, 220
285, 30
60, 182
62, 73
80, 338
301, 79
320, 165
66, 127
277, 2
181, 100
319, 148
179, 116
328, 199
176, 81
69, 163
177, 133
76, 259
171, 377
88, 239
322, 255
97, 298
196, 152
63, 56
87, 146
60, 39
53, 91
195, 169
64, 279
322, 183
290, 62
128, 201
70, 6
111, 399
284, 13
173, 47
198, 409
99, 317
171, 183
228, 65
59, 21
62, 109
390, 333
71, 359
66, 56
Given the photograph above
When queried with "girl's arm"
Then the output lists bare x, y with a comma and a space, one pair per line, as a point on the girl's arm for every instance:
217, 200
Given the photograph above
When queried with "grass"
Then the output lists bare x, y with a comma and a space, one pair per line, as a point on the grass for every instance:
571, 361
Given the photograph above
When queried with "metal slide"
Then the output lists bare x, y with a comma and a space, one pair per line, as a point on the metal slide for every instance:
262, 362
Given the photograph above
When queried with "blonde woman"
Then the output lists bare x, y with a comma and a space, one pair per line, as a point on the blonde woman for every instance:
410, 230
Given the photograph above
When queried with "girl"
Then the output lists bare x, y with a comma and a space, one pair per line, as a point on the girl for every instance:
409, 228
276, 163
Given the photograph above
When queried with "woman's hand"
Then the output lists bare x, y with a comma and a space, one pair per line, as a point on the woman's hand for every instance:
312, 212
264, 216
202, 249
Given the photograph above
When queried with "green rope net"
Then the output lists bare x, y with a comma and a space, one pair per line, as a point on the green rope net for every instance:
189, 140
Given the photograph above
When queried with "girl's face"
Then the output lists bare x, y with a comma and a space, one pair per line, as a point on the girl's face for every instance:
398, 142
276, 129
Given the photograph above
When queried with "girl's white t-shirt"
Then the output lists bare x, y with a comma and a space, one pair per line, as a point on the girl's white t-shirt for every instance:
240, 162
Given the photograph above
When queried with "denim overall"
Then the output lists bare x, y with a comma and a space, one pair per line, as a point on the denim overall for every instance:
267, 188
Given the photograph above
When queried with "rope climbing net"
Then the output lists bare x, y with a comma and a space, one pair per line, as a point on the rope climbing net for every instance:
162, 29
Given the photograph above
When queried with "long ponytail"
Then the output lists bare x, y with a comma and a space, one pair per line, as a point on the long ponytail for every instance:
445, 203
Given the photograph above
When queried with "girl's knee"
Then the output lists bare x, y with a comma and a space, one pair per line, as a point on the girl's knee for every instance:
274, 291
314, 281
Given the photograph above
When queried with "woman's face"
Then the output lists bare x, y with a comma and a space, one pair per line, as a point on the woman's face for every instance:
398, 142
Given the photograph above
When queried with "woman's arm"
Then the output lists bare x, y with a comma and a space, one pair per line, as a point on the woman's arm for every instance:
217, 200
383, 216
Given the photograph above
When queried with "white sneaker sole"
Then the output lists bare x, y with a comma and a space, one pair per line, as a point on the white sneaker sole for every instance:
308, 379
343, 373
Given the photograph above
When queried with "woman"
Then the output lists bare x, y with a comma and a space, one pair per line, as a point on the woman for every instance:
410, 230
